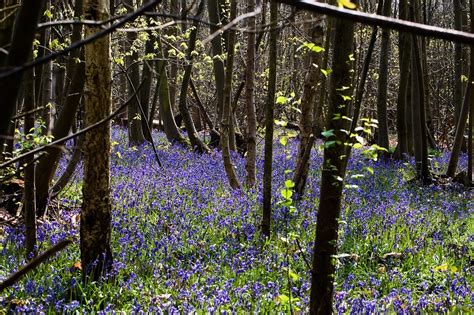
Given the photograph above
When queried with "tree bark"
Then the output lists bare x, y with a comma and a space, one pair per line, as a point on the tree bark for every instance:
95, 231
29, 202
382, 139
461, 125
196, 143
250, 164
166, 109
74, 89
333, 173
404, 61
307, 119
135, 131
269, 117
419, 115
217, 54
226, 122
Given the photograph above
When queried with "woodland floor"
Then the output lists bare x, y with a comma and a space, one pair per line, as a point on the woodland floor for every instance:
183, 241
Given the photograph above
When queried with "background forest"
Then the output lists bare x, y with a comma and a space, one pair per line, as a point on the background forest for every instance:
236, 156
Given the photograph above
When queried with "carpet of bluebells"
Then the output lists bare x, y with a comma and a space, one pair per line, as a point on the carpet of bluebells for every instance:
184, 242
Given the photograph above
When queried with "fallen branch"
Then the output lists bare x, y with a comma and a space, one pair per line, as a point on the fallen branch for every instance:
12, 279
382, 21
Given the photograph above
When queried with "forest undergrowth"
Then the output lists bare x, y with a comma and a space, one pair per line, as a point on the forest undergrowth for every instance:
184, 242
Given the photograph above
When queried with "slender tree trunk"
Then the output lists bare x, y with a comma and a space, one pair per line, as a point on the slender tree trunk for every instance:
250, 165
217, 51
404, 60
459, 137
470, 150
333, 173
66, 176
269, 116
458, 63
419, 115
166, 111
74, 89
95, 232
307, 120
29, 192
135, 131
196, 143
147, 78
173, 71
226, 123
382, 139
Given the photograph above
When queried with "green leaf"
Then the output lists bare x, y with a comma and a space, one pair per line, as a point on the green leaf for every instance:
286, 193
281, 123
289, 183
293, 275
352, 186
327, 133
283, 299
281, 100
346, 4
284, 140
329, 144
326, 72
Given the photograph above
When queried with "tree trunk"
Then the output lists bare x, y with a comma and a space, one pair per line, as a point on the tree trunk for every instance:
269, 116
135, 131
173, 73
458, 63
470, 148
404, 60
29, 191
74, 88
333, 173
226, 123
166, 111
217, 51
147, 78
307, 120
196, 143
461, 125
382, 139
95, 232
250, 165
419, 115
